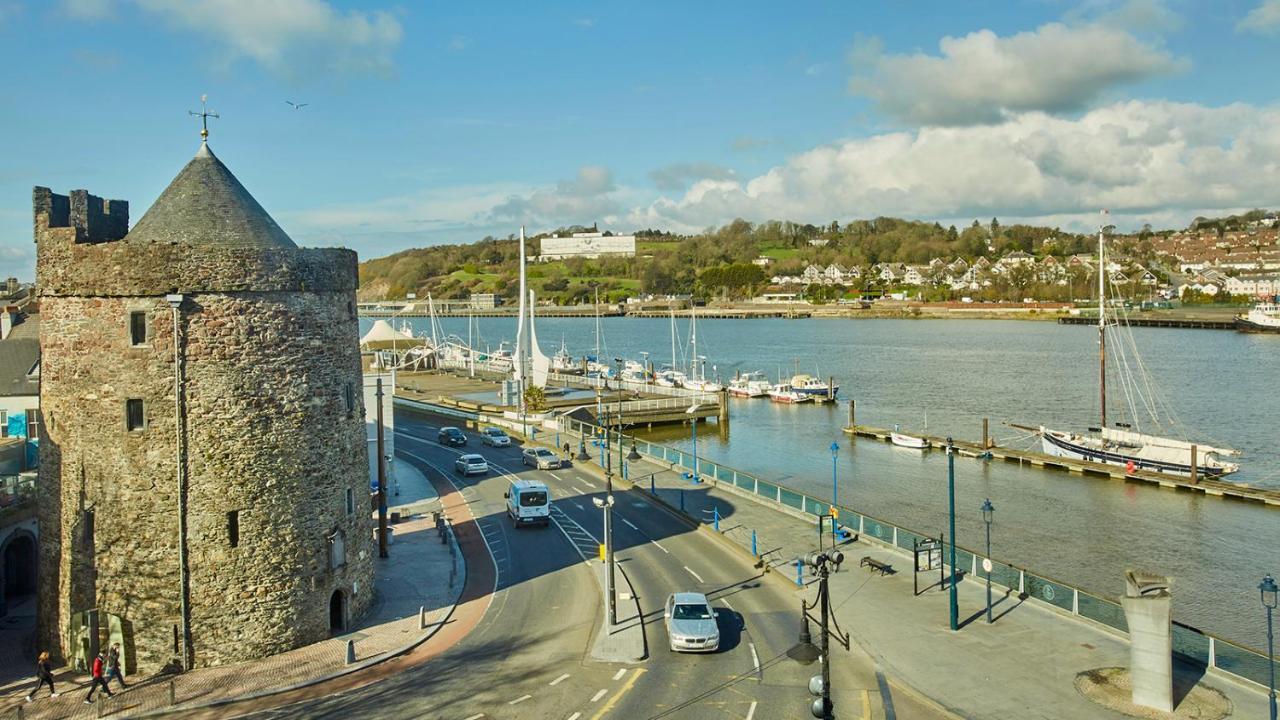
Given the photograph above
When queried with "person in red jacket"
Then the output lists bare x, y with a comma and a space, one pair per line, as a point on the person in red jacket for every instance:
98, 680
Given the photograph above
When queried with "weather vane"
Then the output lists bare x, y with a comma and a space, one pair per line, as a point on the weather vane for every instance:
204, 116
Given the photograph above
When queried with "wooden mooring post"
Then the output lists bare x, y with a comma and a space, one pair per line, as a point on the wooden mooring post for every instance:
1195, 471
985, 443
852, 417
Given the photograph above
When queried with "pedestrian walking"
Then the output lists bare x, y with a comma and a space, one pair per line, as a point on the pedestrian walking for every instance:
567, 456
98, 680
44, 676
113, 667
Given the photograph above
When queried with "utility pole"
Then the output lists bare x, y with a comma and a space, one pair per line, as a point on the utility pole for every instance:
820, 685
951, 499
382, 482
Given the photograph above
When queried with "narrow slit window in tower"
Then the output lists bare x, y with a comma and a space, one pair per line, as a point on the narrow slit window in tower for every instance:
137, 328
135, 418
233, 527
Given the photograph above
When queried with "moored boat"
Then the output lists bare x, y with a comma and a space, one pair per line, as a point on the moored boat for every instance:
1262, 318
785, 394
815, 387
750, 385
908, 441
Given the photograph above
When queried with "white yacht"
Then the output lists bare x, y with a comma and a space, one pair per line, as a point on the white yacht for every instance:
1263, 318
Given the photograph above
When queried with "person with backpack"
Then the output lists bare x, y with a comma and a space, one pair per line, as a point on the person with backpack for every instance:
98, 680
44, 676
113, 667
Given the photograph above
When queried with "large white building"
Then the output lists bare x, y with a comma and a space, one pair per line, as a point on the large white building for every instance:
587, 245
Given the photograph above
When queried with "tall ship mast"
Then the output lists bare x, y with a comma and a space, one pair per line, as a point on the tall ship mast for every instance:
1125, 444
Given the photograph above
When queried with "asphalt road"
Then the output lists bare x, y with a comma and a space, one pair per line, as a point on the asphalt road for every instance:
530, 655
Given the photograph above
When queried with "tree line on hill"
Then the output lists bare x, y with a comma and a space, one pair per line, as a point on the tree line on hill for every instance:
718, 261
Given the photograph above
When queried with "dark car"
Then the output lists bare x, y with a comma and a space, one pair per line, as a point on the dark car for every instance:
451, 436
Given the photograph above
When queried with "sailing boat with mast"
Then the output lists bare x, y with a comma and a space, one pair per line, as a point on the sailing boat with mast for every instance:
698, 363
1123, 444
671, 376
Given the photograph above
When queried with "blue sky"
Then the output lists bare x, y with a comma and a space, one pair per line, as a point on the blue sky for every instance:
444, 122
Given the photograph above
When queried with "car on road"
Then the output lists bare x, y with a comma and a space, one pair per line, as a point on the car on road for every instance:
528, 502
451, 436
691, 623
540, 458
471, 465
494, 437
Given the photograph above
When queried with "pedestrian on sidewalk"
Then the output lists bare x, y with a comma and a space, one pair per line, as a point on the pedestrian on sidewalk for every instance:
44, 676
98, 680
567, 456
113, 667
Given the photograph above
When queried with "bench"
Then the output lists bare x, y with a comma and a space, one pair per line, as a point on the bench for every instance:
875, 565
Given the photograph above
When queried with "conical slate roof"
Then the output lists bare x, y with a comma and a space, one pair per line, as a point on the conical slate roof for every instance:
206, 205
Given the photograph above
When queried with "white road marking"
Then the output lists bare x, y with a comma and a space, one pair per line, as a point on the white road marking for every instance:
520, 699
477, 716
751, 711
597, 696
726, 604
694, 574
618, 675
628, 523
755, 659
655, 542
575, 716
577, 505
581, 490
560, 679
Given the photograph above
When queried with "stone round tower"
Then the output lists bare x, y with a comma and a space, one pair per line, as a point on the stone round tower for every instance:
205, 492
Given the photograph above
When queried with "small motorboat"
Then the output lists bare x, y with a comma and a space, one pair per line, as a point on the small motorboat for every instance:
908, 441
785, 394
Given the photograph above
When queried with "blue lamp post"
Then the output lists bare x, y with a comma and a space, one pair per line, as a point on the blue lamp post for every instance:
693, 423
835, 481
1269, 591
951, 500
988, 512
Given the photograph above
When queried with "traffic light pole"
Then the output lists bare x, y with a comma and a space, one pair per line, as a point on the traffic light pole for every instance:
826, 642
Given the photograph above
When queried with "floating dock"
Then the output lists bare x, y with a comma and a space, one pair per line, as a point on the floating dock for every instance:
1155, 322
1205, 485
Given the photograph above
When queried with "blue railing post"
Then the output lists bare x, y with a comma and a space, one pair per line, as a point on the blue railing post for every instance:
715, 517
754, 551
624, 470
799, 573
681, 500
653, 489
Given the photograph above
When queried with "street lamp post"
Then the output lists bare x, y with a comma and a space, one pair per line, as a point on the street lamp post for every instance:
988, 510
835, 489
951, 509
618, 363
1268, 590
822, 563
606, 504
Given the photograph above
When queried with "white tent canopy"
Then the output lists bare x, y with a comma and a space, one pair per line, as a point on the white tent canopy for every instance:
382, 337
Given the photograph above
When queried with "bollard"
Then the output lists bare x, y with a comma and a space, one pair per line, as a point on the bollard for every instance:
754, 551
444, 533
173, 693
799, 573
715, 517
422, 617
653, 489
985, 442
682, 500
351, 651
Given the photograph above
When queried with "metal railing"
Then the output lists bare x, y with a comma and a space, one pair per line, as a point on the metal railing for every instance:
1190, 642
17, 491
616, 383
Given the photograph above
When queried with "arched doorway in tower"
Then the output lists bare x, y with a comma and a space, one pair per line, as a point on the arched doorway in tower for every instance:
337, 611
18, 561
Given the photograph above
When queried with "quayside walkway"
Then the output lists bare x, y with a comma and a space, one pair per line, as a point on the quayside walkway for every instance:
1024, 665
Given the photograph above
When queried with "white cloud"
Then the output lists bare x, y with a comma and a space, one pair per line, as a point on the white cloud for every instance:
289, 38
586, 197
1140, 16
1263, 20
983, 78
679, 175
1139, 159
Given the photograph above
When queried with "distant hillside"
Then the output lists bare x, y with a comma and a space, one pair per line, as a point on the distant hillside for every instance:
717, 262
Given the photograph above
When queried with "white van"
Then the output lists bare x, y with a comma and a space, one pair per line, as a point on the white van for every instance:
528, 502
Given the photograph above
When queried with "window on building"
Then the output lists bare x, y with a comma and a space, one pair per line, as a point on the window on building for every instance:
337, 550
4, 424
138, 327
233, 527
134, 416
350, 396
33, 423
86, 527
351, 501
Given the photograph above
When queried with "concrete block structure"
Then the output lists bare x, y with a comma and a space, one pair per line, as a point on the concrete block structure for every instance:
204, 493
1148, 610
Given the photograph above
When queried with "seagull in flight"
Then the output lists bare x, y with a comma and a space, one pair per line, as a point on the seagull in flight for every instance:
296, 106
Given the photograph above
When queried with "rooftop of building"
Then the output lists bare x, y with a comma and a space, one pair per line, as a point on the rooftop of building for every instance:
206, 205
19, 358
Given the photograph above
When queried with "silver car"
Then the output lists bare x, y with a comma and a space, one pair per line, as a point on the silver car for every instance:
691, 623
471, 464
540, 458
494, 437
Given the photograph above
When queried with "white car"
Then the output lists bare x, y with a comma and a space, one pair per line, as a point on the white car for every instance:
471, 465
494, 437
540, 458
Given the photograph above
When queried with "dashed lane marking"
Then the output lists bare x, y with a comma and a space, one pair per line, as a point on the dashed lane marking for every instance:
582, 490
559, 680
751, 711
726, 604
631, 681
520, 699
618, 675
655, 542
694, 574
575, 716
477, 716
628, 524
755, 659
599, 694
577, 505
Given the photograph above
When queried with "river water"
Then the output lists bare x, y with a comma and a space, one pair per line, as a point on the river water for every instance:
1221, 386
